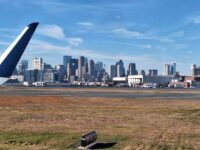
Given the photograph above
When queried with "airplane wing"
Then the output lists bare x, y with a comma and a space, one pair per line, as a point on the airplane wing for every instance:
12, 55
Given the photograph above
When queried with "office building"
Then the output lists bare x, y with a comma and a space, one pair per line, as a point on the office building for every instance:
120, 68
132, 69
37, 63
60, 72
140, 79
31, 75
50, 75
22, 66
113, 71
66, 60
195, 70
100, 75
173, 68
46, 66
72, 67
143, 72
91, 68
81, 62
170, 69
153, 72
99, 66
25, 64
40, 75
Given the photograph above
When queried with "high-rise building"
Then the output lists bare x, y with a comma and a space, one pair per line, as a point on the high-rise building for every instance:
113, 71
153, 72
120, 69
173, 68
170, 69
132, 69
31, 75
81, 62
143, 72
50, 75
71, 69
60, 72
91, 68
99, 66
46, 66
100, 75
66, 60
22, 66
166, 69
195, 70
37, 63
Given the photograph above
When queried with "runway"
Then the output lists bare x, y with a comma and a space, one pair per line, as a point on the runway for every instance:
126, 93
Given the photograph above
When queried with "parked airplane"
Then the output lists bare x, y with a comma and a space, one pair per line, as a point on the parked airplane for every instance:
12, 55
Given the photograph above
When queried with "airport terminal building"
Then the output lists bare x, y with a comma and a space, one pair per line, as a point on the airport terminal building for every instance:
142, 79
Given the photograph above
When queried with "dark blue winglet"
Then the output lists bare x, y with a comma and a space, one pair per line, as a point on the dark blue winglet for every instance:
8, 64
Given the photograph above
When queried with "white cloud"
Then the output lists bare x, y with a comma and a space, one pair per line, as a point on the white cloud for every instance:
181, 46
57, 32
191, 19
148, 46
165, 39
127, 33
4, 43
117, 17
75, 41
196, 20
178, 34
122, 32
53, 31
87, 25
46, 47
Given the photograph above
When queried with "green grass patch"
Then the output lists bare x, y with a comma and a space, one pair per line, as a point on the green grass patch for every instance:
50, 140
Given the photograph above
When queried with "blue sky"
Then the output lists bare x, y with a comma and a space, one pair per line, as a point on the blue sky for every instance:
147, 32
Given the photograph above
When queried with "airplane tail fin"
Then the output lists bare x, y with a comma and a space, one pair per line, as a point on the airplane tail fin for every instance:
12, 55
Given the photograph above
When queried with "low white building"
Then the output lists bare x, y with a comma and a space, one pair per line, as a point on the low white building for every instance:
120, 79
20, 78
141, 79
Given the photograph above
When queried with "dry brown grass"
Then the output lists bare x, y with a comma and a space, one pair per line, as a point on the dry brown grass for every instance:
133, 124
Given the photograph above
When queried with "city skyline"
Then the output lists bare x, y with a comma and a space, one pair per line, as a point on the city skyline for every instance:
148, 33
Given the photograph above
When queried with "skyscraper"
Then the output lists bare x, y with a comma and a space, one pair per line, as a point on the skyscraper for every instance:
37, 63
60, 72
153, 72
120, 69
113, 71
132, 69
99, 66
81, 62
22, 66
25, 64
173, 68
166, 69
66, 60
91, 68
143, 72
195, 70
170, 69
72, 67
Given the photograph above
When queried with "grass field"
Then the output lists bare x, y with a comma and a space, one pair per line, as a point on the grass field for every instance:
57, 122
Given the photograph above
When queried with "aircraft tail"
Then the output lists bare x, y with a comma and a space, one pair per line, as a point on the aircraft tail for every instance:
12, 55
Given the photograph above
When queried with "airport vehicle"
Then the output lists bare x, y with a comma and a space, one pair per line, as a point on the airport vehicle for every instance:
28, 84
12, 55
39, 84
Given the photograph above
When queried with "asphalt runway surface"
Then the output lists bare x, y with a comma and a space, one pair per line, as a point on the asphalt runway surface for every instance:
128, 93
